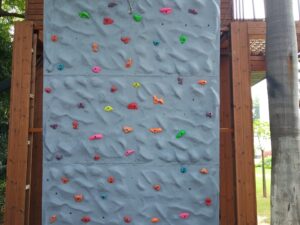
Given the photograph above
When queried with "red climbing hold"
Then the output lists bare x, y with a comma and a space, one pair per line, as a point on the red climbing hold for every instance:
53, 219
64, 180
156, 187
54, 38
113, 89
125, 40
127, 219
108, 21
86, 219
129, 63
208, 201
133, 106
110, 179
48, 90
78, 197
75, 124
97, 157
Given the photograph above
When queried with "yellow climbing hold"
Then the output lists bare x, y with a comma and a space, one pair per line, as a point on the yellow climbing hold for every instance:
108, 108
136, 84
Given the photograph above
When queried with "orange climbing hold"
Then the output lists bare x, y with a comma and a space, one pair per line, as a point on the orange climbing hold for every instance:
65, 180
157, 100
204, 171
95, 47
110, 179
127, 130
202, 82
129, 63
155, 220
78, 197
156, 130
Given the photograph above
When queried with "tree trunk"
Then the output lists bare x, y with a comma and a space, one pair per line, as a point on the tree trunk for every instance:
282, 77
263, 174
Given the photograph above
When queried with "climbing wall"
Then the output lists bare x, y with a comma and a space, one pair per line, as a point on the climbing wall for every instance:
131, 112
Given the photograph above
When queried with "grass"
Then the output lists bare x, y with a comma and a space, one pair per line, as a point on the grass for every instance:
263, 204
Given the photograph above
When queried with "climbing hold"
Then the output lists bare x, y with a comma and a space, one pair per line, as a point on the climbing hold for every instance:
180, 80
184, 215
156, 187
54, 38
96, 69
182, 39
180, 134
202, 82
203, 171
54, 126
53, 219
113, 89
84, 15
64, 180
129, 152
95, 137
60, 67
48, 90
129, 63
58, 156
125, 40
86, 219
209, 115
108, 108
103, 196
183, 169
127, 130
156, 43
137, 17
132, 106
155, 220
112, 4
75, 124
127, 219
208, 201
157, 100
108, 21
97, 157
136, 84
193, 11
110, 179
80, 105
166, 10
95, 47
78, 197
156, 130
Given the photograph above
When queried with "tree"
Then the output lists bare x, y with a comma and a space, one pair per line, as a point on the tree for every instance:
282, 79
262, 132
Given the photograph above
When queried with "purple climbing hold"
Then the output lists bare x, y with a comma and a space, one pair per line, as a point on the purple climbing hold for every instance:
193, 11
112, 4
209, 115
54, 126
58, 156
80, 105
180, 80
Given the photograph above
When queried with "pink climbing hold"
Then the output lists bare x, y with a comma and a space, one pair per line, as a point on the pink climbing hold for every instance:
208, 201
95, 137
184, 215
166, 10
53, 219
129, 152
96, 69
86, 219
48, 90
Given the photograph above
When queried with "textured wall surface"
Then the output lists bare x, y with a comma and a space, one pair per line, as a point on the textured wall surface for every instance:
108, 80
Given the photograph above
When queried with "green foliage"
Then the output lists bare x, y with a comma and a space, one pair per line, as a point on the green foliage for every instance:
261, 129
268, 163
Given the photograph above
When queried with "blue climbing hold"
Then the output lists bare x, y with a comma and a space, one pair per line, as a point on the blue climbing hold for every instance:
183, 169
60, 67
156, 43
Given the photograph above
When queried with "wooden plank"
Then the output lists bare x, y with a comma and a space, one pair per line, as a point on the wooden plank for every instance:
18, 125
243, 131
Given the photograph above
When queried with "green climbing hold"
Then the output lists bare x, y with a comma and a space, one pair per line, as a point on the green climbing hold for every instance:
108, 108
180, 134
183, 38
136, 84
137, 17
84, 15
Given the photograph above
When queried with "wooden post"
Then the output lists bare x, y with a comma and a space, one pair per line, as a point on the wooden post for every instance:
243, 129
16, 185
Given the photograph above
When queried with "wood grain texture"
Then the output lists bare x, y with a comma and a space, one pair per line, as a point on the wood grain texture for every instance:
19, 124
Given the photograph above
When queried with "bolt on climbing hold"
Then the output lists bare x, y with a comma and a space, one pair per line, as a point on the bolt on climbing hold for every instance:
209, 114
95, 47
54, 126
136, 84
110, 179
156, 130
108, 108
48, 90
208, 201
108, 21
156, 187
96, 137
193, 11
127, 219
156, 43
183, 38
184, 215
97, 157
183, 169
84, 15
111, 4
78, 197
60, 67
58, 156
132, 106
113, 89
166, 11
157, 100
129, 63
203, 171
137, 17
125, 40
54, 38
127, 130
103, 196
64, 180
202, 82
129, 152
80, 105
86, 219
180, 80
53, 219
75, 124
180, 134
155, 220
96, 69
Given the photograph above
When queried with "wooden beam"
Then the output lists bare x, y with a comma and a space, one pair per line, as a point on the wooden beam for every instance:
18, 125
243, 130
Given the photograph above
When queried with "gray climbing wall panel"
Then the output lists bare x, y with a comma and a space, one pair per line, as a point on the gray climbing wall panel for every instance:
131, 112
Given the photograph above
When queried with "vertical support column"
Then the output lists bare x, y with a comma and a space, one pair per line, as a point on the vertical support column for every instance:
243, 130
18, 142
